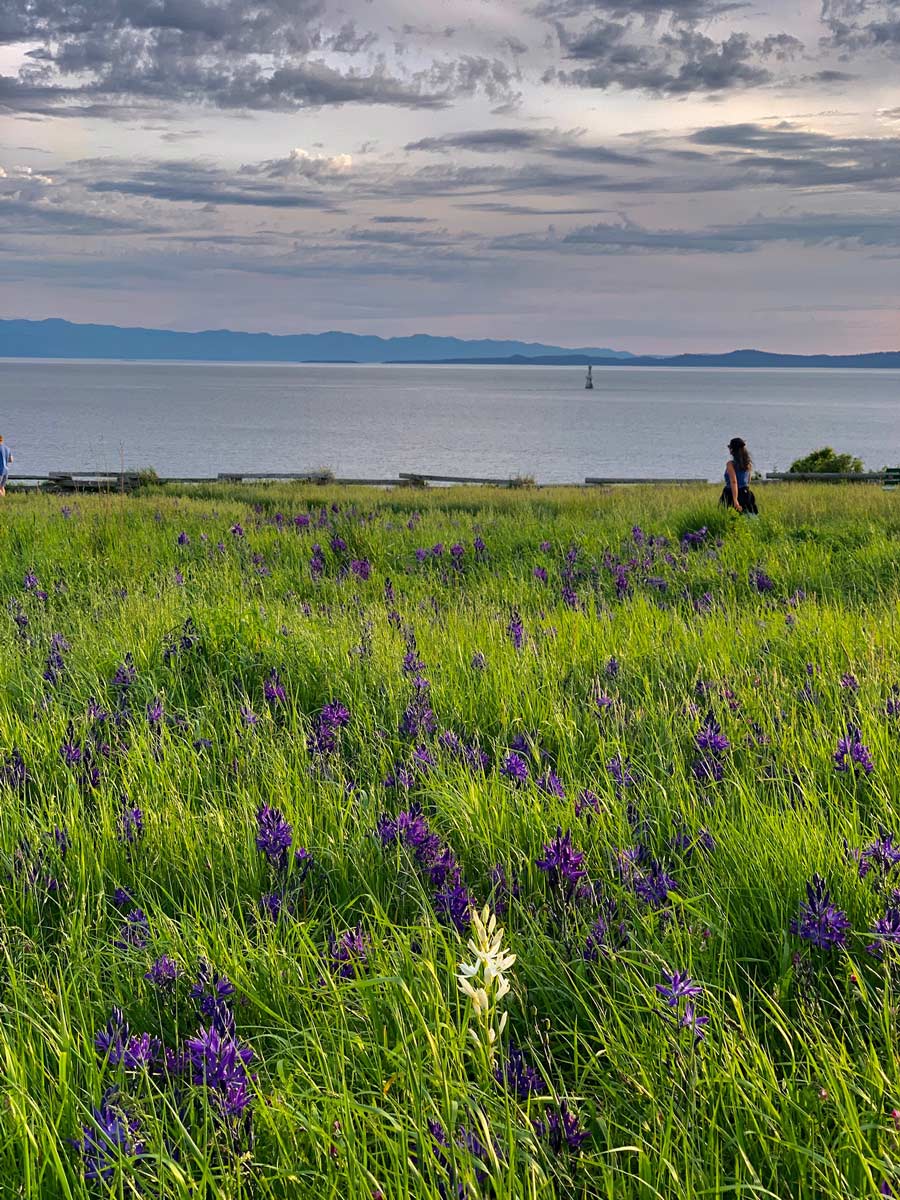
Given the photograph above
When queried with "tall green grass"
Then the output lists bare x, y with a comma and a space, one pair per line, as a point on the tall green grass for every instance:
793, 1092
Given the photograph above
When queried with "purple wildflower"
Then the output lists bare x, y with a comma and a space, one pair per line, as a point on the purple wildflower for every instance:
112, 1139
131, 823
274, 834
516, 630
550, 784
887, 932
273, 688
691, 1019
135, 931
851, 755
212, 992
515, 768
710, 738
454, 906
361, 568
760, 580
163, 973
519, 1076
561, 1129
678, 986
819, 921
349, 953
562, 862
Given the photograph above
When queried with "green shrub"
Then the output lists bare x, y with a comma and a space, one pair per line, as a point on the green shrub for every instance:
828, 461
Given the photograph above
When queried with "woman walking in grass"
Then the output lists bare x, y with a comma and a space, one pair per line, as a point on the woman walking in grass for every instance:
5, 459
736, 493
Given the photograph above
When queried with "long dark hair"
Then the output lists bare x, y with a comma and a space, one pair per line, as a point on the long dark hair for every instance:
740, 454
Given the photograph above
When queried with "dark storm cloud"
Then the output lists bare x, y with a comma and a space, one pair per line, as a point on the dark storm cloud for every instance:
106, 56
679, 62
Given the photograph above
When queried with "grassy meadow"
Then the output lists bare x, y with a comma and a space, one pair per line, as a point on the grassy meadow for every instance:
266, 752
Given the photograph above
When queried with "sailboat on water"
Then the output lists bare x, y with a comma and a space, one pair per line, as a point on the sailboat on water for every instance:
589, 382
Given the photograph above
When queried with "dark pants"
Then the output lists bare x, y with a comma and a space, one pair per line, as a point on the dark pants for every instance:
746, 499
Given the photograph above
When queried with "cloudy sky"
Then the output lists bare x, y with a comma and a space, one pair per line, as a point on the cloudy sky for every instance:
696, 174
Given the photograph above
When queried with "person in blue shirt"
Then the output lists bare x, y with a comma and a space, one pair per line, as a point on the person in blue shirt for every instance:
5, 459
736, 493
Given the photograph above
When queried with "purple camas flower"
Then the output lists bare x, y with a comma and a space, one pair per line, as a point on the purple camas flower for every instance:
163, 974
183, 539
519, 1076
851, 755
710, 739
237, 530
587, 802
550, 784
612, 668
361, 568
887, 933
317, 562
819, 921
338, 545
111, 1140
13, 772
110, 1040
540, 573
691, 1019
692, 540
516, 630
274, 835
850, 682
454, 906
760, 580
620, 770
248, 716
131, 823
515, 768
216, 1060
880, 856
213, 993
155, 711
562, 862
479, 662
653, 885
273, 688
708, 770
349, 954
134, 932
125, 673
561, 1128
678, 986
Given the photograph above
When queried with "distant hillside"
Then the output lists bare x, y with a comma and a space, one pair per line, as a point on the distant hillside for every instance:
735, 358
63, 339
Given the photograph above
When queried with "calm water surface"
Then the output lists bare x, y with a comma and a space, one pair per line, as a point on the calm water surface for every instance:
373, 421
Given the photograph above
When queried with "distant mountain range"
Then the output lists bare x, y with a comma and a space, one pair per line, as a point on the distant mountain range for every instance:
734, 358
64, 339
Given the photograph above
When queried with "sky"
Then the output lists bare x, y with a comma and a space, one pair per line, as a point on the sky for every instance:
652, 176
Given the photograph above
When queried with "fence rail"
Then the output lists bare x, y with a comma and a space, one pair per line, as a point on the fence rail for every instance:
119, 481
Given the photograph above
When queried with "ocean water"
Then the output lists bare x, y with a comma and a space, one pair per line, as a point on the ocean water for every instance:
373, 421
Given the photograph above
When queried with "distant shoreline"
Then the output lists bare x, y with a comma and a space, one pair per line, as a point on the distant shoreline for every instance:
682, 362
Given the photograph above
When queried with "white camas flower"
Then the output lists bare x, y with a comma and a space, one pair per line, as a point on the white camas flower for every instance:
483, 980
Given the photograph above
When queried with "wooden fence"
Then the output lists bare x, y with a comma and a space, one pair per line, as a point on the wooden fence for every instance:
128, 481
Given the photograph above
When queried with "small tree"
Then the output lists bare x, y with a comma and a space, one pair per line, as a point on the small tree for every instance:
826, 461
